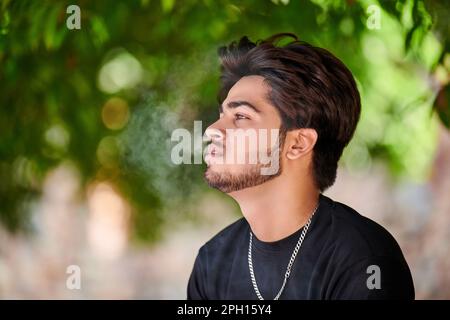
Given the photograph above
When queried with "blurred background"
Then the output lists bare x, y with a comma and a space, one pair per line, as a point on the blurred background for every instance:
87, 114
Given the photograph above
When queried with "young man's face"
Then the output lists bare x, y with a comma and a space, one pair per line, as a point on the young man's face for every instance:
244, 141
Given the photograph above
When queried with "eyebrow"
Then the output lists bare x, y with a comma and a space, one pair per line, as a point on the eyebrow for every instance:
239, 103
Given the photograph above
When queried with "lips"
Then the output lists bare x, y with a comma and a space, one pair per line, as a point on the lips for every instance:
213, 151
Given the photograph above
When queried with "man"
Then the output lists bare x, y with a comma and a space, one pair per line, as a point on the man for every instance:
293, 242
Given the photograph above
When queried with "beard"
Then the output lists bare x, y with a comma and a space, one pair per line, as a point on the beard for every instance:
229, 182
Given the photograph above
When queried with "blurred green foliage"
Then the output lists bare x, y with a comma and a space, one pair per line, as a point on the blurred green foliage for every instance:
106, 97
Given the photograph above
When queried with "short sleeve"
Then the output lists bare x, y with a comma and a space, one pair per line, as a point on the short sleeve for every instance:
197, 280
378, 278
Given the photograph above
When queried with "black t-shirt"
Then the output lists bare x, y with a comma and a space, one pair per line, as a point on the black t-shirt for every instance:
343, 256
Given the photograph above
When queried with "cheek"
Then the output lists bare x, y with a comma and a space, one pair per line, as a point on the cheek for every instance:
239, 169
266, 140
233, 169
263, 141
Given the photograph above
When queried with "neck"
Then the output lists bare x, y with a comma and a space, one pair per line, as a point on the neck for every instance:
278, 207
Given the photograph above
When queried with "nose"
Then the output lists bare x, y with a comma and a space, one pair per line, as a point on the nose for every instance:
214, 132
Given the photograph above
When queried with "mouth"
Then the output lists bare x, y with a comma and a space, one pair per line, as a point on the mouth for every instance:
213, 152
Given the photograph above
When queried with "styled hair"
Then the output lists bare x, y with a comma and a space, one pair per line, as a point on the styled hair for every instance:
310, 88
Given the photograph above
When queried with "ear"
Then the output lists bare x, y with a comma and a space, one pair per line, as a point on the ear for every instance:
300, 142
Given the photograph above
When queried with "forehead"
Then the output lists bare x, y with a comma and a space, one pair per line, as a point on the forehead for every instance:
252, 88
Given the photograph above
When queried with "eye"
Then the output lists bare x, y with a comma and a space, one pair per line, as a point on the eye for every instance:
239, 116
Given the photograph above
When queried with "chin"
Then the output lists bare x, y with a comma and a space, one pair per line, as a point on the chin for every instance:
211, 171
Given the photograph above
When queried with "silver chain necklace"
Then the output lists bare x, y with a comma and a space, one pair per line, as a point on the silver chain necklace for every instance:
291, 261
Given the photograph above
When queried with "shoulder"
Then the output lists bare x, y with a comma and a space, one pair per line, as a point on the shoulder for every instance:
358, 247
361, 236
355, 242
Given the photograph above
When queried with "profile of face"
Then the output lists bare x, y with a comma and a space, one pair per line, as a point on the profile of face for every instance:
244, 149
